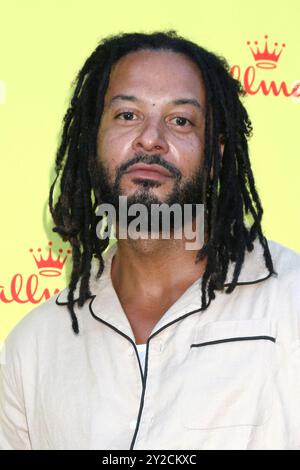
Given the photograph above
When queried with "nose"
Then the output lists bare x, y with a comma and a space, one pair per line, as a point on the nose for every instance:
151, 138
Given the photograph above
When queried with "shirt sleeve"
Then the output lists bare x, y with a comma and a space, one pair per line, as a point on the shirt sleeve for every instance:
14, 433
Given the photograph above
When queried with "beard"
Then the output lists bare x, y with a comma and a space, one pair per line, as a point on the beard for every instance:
184, 191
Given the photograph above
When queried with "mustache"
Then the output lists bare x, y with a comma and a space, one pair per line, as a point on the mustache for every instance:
148, 159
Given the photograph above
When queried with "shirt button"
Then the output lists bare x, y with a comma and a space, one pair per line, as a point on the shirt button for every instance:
132, 424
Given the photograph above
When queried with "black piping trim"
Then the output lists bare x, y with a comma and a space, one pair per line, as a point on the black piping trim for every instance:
227, 340
144, 377
246, 283
121, 333
66, 303
108, 324
243, 283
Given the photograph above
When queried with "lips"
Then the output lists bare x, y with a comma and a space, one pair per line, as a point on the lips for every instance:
148, 171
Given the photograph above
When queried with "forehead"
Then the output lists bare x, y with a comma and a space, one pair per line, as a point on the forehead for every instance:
156, 74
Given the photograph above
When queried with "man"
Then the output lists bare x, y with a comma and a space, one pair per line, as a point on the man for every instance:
157, 119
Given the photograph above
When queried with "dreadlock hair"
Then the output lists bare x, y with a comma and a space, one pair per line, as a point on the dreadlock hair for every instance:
229, 196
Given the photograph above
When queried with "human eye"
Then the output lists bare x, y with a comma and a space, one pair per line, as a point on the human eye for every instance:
126, 116
181, 121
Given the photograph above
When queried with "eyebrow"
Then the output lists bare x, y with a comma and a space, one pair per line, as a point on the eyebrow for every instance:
178, 101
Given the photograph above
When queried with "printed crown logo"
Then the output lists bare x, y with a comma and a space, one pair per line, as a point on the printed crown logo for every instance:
49, 266
265, 59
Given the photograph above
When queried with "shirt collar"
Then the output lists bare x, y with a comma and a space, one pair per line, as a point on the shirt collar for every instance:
254, 268
105, 304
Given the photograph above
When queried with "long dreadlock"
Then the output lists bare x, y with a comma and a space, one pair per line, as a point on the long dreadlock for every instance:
229, 196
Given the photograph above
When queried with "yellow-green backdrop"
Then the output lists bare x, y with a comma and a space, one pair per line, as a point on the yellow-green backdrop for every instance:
43, 45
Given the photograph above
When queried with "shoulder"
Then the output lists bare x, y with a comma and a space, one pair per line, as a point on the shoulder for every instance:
50, 322
40, 326
286, 261
283, 296
284, 254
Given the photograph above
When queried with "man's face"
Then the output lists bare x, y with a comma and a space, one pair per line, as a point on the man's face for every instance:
154, 113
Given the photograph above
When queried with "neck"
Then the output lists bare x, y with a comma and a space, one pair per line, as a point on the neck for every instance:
152, 268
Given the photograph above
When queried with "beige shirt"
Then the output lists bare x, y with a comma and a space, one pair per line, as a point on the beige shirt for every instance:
224, 378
